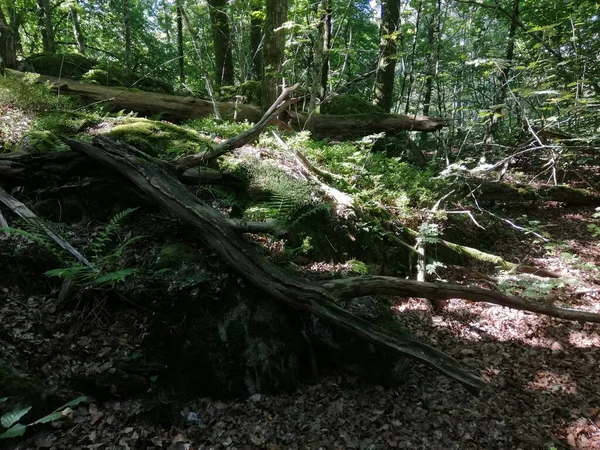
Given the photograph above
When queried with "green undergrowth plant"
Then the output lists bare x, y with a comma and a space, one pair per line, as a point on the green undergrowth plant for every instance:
107, 257
27, 94
14, 428
220, 128
107, 261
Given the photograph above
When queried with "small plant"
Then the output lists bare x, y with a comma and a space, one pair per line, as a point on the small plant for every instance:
594, 228
10, 420
105, 265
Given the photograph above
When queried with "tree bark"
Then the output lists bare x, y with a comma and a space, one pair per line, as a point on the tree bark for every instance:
386, 67
46, 26
79, 37
321, 54
180, 49
273, 51
492, 191
256, 35
126, 5
221, 42
503, 78
10, 21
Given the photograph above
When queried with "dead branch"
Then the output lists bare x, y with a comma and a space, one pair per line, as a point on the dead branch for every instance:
159, 184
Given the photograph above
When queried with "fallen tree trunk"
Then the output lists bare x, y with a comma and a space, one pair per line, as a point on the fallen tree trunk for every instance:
179, 108
354, 125
492, 191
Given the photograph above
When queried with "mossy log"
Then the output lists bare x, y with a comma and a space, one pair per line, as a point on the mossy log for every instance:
355, 125
503, 192
179, 108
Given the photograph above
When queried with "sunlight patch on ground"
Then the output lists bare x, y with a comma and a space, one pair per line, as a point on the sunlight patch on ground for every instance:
584, 339
553, 382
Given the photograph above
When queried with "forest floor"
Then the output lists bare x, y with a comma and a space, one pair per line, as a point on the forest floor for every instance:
543, 375
542, 372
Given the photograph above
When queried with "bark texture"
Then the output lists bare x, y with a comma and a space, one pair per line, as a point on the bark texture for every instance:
222, 42
273, 51
386, 67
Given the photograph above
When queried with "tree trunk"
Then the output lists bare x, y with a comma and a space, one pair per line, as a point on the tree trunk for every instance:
222, 42
386, 67
10, 21
321, 54
126, 5
180, 50
503, 78
256, 35
273, 51
46, 27
77, 30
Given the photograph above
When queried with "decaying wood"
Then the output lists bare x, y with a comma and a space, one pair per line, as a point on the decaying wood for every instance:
354, 125
502, 192
26, 214
241, 139
179, 108
158, 183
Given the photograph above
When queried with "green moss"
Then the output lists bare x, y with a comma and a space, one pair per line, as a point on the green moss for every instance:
159, 138
359, 267
342, 105
173, 256
248, 92
66, 123
67, 65
100, 76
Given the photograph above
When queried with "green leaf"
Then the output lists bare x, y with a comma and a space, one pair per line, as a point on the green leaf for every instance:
75, 402
12, 417
56, 415
16, 431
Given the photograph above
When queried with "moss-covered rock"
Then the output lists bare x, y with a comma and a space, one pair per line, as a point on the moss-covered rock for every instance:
339, 348
66, 65
341, 105
160, 139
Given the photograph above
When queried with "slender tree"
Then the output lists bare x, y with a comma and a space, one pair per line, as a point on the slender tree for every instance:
46, 26
222, 42
126, 5
504, 72
386, 66
256, 34
77, 32
273, 51
180, 49
321, 53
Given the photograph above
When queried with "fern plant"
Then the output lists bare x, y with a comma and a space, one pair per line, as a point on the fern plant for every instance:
105, 261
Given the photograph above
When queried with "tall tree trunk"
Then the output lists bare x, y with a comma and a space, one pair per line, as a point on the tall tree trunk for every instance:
321, 54
222, 42
10, 21
386, 67
46, 27
503, 78
273, 51
77, 30
180, 50
256, 35
127, 32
